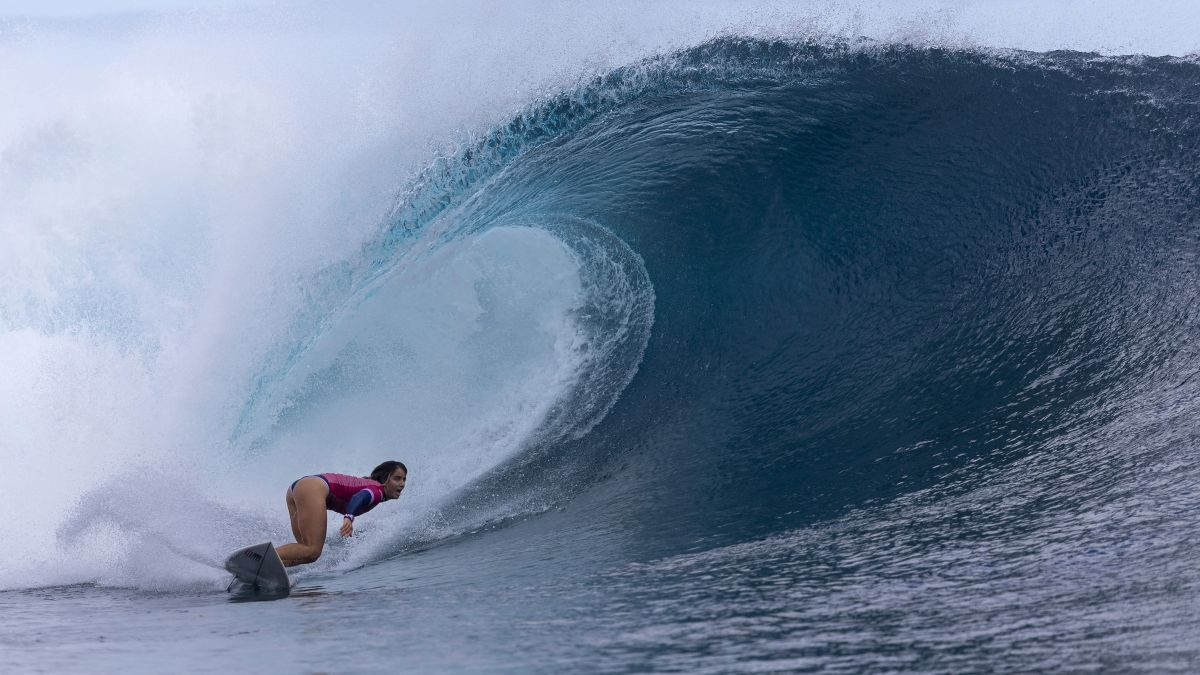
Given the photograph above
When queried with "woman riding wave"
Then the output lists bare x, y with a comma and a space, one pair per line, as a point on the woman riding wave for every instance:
309, 497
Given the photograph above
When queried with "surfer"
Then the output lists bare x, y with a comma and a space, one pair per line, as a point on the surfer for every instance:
309, 497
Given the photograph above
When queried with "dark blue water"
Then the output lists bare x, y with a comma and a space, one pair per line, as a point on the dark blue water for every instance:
917, 389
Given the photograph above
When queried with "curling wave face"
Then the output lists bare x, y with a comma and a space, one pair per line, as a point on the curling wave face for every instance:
923, 357
878, 270
922, 364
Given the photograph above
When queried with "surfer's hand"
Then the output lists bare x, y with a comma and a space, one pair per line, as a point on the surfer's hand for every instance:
347, 527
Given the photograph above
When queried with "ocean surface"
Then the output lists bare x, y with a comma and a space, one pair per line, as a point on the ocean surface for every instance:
752, 353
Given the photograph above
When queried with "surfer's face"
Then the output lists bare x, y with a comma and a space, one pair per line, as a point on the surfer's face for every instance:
394, 483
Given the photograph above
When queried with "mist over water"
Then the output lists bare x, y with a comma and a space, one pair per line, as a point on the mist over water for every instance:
838, 336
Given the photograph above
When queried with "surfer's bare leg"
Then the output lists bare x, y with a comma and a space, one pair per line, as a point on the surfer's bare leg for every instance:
291, 504
309, 523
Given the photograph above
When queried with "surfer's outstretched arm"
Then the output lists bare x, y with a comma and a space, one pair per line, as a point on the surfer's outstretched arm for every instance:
364, 500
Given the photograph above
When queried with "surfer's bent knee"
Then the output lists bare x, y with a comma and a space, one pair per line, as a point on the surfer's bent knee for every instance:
310, 555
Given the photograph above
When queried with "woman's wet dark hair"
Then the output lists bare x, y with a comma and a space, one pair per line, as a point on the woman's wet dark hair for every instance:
381, 472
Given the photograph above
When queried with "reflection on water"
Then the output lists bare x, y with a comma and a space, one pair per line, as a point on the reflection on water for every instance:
240, 591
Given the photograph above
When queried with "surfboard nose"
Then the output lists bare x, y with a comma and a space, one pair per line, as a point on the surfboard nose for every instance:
259, 566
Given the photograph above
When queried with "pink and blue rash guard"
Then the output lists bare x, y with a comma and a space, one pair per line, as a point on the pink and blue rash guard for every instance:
351, 495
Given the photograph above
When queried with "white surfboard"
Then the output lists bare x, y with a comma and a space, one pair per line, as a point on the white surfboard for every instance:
258, 568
